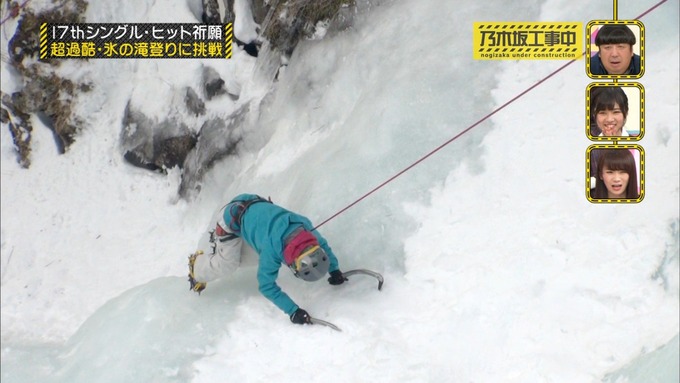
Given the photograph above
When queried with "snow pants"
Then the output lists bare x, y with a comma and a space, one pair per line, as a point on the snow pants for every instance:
220, 257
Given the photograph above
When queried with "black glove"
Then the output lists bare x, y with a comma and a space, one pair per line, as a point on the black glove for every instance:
336, 278
300, 316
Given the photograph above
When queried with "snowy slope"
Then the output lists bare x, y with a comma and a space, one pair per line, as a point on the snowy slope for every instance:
497, 267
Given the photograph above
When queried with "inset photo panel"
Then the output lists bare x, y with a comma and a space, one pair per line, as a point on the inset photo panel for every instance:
615, 173
615, 111
615, 48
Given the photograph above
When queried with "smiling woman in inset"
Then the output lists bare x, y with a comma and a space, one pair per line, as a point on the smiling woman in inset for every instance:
617, 175
609, 109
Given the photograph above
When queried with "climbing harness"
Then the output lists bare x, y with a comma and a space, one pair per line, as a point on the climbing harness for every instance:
237, 209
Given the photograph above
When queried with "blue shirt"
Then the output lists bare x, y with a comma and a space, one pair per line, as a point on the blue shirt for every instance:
265, 226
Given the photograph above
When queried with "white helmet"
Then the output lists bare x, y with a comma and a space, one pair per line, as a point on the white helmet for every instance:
311, 265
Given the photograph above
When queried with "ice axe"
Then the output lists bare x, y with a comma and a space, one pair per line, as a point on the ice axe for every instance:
367, 272
347, 274
324, 323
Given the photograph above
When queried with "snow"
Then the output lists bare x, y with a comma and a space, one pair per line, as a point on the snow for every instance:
496, 266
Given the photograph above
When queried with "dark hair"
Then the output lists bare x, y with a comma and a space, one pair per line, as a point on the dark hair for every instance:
616, 159
606, 98
614, 34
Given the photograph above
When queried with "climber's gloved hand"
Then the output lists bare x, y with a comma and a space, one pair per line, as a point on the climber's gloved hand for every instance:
336, 278
300, 316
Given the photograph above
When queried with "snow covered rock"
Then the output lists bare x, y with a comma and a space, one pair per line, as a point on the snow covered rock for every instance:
154, 145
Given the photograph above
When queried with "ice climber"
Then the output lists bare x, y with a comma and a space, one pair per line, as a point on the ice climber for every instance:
279, 236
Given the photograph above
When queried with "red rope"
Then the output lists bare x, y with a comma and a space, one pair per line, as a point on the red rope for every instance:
469, 128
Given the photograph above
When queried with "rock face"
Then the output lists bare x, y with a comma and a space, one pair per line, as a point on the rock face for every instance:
217, 140
154, 145
44, 93
20, 128
162, 145
50, 97
146, 142
284, 22
211, 12
194, 104
213, 83
289, 21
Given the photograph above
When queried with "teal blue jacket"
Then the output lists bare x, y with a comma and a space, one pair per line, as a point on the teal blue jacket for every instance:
264, 226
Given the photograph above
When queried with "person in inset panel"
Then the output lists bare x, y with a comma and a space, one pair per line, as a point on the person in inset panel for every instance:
608, 111
617, 175
615, 57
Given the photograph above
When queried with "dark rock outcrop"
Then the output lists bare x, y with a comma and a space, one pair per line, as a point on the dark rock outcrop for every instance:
20, 127
212, 82
154, 145
194, 104
44, 93
217, 140
290, 21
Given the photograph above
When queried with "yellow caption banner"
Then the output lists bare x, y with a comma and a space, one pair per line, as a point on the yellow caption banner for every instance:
527, 40
135, 40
